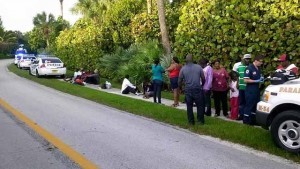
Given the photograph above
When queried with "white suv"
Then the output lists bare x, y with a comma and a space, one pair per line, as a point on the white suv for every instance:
47, 66
280, 110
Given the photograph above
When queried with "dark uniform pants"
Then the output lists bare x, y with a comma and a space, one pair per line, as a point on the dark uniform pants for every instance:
252, 98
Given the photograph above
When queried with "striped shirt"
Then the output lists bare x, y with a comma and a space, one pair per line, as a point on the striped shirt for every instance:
241, 70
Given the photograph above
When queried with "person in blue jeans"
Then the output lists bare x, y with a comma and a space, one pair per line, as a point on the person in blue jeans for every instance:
192, 74
157, 77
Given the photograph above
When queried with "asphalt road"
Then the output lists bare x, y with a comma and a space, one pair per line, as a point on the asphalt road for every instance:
114, 139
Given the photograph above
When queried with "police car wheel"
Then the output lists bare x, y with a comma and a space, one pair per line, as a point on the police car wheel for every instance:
37, 74
285, 130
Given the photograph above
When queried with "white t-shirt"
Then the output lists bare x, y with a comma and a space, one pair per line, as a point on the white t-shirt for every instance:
236, 91
126, 83
79, 73
236, 65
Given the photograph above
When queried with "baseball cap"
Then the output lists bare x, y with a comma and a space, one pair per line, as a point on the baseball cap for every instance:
247, 56
283, 57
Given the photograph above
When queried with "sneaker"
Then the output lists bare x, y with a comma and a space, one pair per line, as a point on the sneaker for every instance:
216, 115
239, 118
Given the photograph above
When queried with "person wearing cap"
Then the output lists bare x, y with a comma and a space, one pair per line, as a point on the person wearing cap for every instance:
252, 78
284, 60
241, 71
192, 74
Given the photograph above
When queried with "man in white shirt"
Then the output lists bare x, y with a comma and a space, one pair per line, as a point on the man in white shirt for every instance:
128, 87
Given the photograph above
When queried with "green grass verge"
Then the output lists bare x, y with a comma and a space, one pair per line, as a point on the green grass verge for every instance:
256, 138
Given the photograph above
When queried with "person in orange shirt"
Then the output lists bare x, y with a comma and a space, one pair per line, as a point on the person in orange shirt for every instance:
284, 60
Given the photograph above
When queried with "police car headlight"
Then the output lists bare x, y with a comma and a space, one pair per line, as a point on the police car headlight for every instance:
266, 96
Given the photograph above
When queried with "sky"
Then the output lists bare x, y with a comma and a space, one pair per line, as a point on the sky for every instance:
17, 15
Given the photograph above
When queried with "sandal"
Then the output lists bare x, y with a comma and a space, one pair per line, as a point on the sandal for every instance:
175, 105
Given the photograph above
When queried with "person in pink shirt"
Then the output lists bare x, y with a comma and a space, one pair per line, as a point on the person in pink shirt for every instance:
208, 73
220, 88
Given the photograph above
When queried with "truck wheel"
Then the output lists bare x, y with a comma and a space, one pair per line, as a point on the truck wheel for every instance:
285, 130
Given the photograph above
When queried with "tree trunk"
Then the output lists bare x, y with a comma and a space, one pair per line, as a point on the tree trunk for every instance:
149, 6
61, 8
163, 26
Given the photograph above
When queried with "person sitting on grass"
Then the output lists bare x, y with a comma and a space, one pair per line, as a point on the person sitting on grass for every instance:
128, 87
93, 78
148, 90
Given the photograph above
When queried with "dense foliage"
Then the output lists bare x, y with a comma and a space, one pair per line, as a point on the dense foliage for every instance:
111, 34
46, 29
228, 28
78, 46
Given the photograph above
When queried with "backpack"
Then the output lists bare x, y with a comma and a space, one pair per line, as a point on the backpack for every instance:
103, 86
282, 76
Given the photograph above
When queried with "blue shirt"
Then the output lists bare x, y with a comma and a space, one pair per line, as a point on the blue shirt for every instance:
251, 72
157, 72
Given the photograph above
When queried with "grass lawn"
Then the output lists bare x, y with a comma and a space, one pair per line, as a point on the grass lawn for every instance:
254, 137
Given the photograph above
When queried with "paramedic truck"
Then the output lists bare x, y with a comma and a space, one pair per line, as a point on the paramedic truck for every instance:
279, 111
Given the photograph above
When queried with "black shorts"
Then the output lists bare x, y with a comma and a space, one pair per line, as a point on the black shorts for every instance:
174, 82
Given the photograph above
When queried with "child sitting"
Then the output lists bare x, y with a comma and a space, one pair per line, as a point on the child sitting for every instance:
148, 90
234, 95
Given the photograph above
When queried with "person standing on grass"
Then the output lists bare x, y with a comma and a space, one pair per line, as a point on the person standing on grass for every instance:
157, 77
252, 79
174, 70
220, 88
208, 73
242, 86
234, 95
192, 74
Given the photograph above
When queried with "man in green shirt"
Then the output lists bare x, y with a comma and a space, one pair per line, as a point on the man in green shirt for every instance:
241, 71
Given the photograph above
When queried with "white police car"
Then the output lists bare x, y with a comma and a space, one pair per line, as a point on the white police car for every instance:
279, 110
19, 53
25, 61
47, 66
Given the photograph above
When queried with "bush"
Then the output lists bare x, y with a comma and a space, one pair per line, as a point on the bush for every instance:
226, 29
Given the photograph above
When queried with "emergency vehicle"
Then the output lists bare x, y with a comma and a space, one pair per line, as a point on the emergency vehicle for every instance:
279, 111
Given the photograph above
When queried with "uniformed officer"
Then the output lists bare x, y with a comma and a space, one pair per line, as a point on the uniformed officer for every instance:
252, 79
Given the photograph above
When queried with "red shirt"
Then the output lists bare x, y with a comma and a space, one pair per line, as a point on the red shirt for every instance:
219, 82
175, 72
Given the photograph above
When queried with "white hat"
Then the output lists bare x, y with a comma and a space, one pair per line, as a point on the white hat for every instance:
247, 56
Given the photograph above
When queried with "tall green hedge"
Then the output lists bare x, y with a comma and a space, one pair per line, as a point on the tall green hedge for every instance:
227, 29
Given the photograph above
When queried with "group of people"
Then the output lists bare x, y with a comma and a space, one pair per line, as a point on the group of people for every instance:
81, 77
243, 84
205, 80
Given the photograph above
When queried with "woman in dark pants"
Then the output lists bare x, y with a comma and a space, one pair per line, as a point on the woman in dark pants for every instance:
157, 78
220, 88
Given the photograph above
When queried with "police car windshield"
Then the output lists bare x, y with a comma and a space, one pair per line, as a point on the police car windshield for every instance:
51, 60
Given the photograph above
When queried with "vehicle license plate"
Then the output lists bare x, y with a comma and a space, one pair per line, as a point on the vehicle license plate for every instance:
54, 71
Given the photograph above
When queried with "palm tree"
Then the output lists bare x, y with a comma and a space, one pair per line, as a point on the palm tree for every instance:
7, 36
44, 23
149, 6
94, 9
61, 8
163, 26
